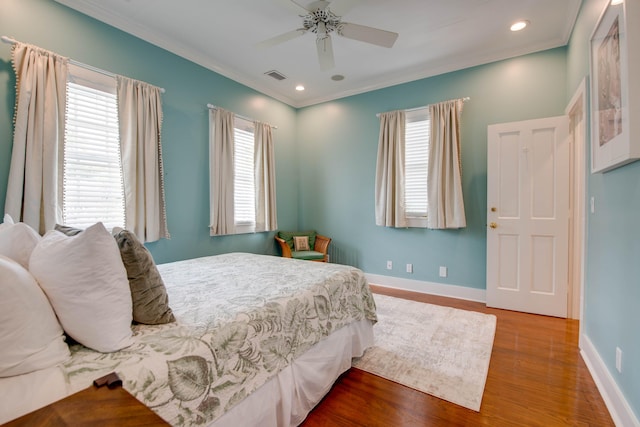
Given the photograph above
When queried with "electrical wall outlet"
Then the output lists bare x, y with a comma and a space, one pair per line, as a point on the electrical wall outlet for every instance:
619, 359
389, 265
409, 268
443, 271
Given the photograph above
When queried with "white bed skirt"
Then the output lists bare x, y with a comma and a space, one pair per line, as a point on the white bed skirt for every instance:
284, 400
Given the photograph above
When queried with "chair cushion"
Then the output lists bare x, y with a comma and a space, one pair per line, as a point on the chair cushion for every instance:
307, 255
287, 236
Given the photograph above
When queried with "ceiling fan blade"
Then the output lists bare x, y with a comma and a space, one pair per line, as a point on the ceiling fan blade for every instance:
325, 53
281, 38
317, 5
368, 34
303, 9
342, 7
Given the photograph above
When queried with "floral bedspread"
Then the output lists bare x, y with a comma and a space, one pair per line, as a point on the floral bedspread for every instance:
241, 318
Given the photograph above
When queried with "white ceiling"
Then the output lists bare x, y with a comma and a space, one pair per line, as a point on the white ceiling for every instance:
435, 37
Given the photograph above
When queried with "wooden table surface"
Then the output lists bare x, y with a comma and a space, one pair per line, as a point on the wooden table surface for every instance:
92, 407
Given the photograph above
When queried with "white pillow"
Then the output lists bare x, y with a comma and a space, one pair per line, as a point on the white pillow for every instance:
7, 220
30, 337
17, 240
87, 284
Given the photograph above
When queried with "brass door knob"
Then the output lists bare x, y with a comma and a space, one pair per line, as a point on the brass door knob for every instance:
493, 225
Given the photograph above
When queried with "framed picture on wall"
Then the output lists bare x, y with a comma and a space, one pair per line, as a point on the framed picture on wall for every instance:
612, 144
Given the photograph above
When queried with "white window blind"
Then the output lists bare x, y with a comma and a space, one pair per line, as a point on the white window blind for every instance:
244, 176
93, 188
417, 133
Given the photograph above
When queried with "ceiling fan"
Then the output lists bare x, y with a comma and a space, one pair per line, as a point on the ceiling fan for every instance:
323, 20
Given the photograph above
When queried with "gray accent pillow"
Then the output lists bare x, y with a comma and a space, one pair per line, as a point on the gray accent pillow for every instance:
149, 295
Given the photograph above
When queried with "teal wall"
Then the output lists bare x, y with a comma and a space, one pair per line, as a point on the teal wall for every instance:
189, 88
338, 150
326, 154
612, 285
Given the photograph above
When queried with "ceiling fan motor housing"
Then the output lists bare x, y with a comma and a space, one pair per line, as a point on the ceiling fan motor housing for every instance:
314, 22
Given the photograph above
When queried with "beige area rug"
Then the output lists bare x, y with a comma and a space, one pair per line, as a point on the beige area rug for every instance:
438, 350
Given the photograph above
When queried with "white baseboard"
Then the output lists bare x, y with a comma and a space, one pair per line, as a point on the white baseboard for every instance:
432, 288
619, 408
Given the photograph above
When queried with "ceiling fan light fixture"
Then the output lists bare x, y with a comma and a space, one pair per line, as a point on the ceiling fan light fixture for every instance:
519, 25
321, 22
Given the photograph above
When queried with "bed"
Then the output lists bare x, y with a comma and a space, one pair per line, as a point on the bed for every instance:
258, 340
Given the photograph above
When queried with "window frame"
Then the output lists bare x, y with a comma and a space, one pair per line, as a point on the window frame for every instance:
417, 219
108, 137
244, 126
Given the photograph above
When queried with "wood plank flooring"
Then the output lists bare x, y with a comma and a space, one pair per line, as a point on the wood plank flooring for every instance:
536, 378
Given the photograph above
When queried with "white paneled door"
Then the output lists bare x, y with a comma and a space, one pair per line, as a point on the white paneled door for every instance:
528, 216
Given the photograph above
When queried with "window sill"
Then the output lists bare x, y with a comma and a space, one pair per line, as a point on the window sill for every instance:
417, 222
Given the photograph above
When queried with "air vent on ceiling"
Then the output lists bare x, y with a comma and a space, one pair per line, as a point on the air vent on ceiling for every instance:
276, 75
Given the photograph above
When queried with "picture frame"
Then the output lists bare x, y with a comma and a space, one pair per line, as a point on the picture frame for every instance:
615, 139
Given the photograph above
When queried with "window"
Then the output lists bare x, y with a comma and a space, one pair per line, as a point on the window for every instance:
244, 191
93, 187
416, 158
241, 179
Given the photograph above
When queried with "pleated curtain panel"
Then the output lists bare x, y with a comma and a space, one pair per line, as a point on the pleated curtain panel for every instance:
34, 190
140, 116
389, 197
35, 187
444, 181
265, 176
221, 136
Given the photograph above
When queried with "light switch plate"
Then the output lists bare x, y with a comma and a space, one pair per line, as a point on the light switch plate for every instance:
443, 271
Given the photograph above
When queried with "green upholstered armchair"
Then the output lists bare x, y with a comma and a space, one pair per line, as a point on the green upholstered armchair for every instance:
307, 245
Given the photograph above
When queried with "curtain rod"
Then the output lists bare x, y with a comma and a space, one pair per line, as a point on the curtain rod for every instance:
9, 40
465, 99
215, 107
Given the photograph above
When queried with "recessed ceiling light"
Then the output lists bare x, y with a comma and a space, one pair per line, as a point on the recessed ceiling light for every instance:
299, 88
520, 25
337, 77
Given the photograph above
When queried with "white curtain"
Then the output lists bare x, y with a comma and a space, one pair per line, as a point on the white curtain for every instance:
34, 190
446, 205
389, 198
140, 116
265, 176
221, 144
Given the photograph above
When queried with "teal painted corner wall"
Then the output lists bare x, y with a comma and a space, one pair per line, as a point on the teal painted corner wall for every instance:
612, 284
189, 88
338, 150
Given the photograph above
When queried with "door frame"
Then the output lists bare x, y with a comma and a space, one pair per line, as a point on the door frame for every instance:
578, 232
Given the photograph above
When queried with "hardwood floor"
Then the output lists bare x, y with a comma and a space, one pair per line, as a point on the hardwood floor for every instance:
536, 378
